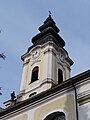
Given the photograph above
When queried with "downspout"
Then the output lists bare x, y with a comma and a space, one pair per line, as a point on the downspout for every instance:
76, 100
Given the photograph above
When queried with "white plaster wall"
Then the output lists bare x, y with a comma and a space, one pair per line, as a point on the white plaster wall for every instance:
45, 66
84, 88
16, 116
49, 74
84, 112
24, 75
54, 70
49, 66
67, 73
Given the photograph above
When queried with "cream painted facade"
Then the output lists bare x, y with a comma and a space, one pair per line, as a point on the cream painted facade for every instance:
61, 102
50, 58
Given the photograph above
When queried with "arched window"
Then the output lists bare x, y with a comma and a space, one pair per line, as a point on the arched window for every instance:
56, 116
34, 76
60, 76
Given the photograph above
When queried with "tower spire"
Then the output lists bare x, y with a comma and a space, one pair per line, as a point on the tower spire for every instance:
50, 30
46, 62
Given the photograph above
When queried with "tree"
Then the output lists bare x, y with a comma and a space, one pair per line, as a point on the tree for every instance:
0, 92
3, 57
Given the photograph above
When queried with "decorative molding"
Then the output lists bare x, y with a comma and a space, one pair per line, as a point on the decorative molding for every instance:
65, 86
26, 62
35, 62
87, 92
50, 50
84, 99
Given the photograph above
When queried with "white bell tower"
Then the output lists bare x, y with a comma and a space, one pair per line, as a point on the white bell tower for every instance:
46, 62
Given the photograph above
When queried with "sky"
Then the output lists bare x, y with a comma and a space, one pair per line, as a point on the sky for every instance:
19, 22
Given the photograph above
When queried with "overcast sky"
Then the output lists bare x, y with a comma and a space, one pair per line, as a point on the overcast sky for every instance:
19, 22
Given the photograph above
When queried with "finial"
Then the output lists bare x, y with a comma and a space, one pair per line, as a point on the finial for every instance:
13, 96
50, 13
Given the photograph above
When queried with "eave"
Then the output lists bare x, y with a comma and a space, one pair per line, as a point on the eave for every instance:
46, 94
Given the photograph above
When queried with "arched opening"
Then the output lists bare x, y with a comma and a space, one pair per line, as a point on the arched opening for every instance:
60, 76
35, 74
56, 116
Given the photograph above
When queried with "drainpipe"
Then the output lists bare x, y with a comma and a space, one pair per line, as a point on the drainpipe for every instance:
75, 100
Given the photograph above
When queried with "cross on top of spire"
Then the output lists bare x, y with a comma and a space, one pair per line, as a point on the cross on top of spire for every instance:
50, 13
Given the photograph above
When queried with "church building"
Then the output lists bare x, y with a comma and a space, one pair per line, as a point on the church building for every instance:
47, 91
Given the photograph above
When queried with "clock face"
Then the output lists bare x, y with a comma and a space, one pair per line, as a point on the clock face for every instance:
35, 54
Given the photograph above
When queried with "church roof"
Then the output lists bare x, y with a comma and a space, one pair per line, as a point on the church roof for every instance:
48, 30
49, 22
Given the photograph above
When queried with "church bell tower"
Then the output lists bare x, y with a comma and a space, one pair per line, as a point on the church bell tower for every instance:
46, 63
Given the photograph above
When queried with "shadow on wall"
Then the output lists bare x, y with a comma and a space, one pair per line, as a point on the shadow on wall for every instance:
84, 113
70, 107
